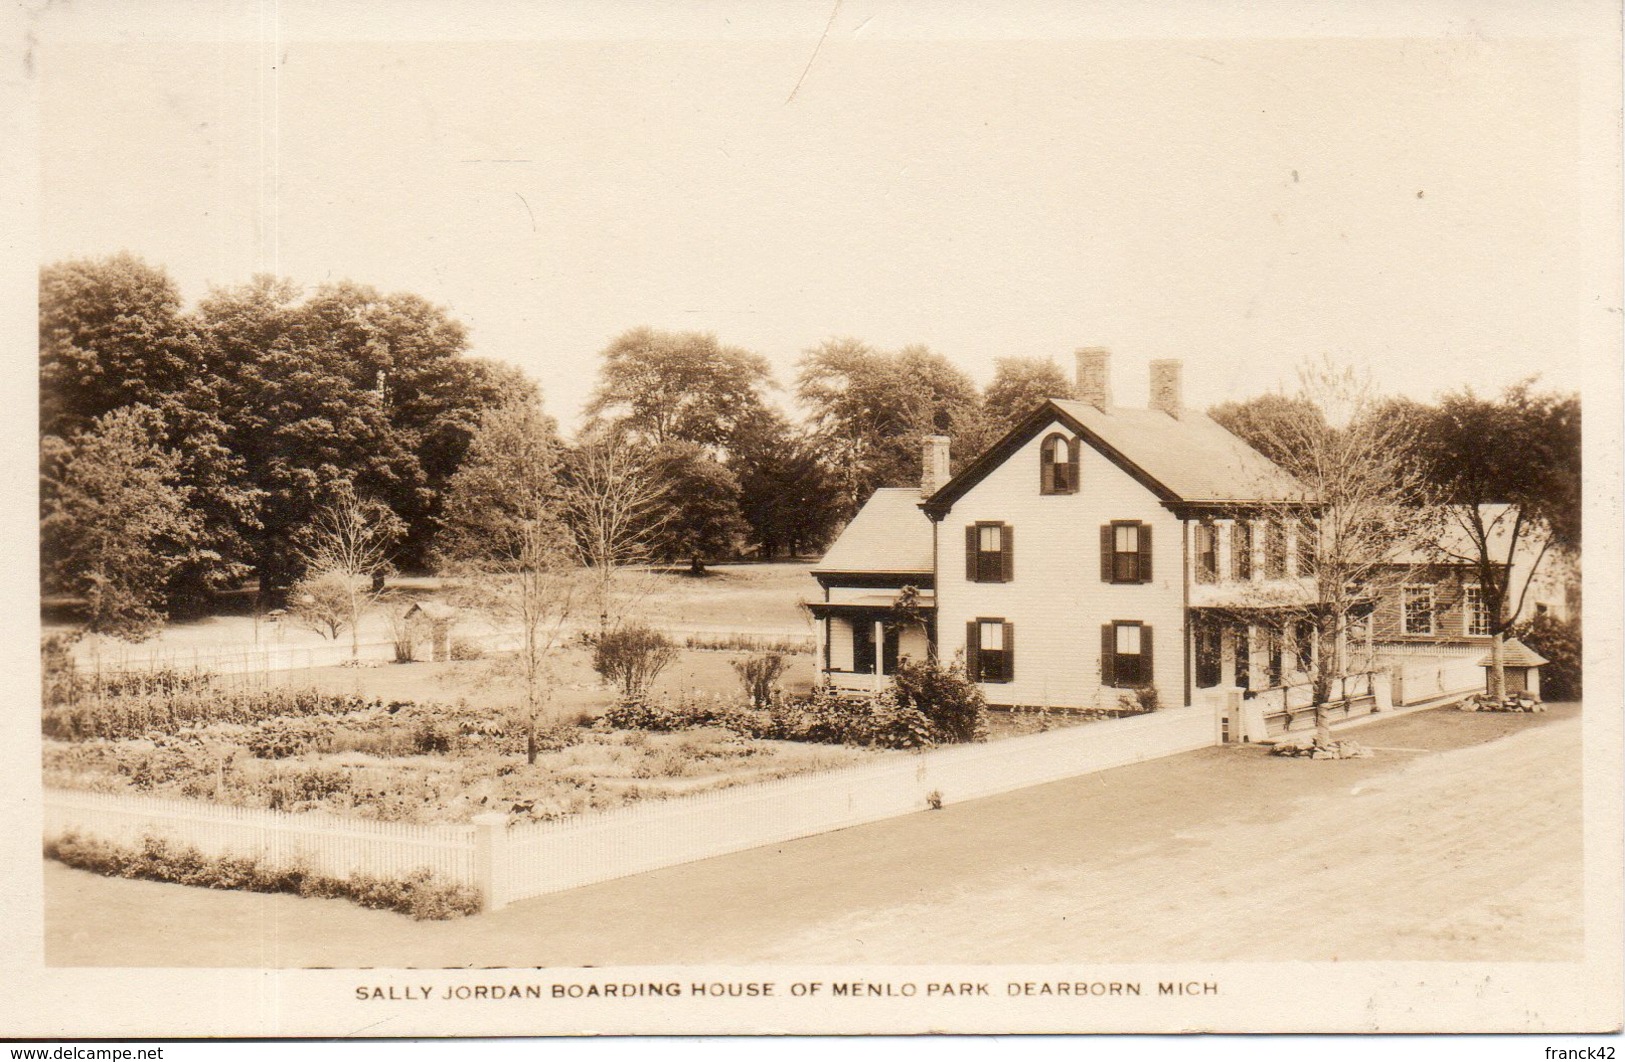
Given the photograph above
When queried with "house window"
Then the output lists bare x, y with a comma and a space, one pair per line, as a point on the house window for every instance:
1308, 537
1275, 550
1304, 638
1477, 612
1241, 550
1125, 552
1244, 657
1207, 553
1058, 465
1209, 655
990, 650
1125, 654
989, 553
1418, 610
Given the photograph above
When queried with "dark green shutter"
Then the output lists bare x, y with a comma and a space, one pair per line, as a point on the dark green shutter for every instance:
1072, 479
1148, 674
1106, 553
1007, 553
1046, 468
973, 651
1145, 553
1108, 655
1009, 652
971, 546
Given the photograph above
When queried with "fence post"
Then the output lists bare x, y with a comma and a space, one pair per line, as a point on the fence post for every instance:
490, 859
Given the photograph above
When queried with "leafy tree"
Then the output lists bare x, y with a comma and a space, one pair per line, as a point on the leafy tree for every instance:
506, 541
114, 520
1269, 422
669, 387
1560, 643
113, 334
870, 411
1019, 386
1507, 473
702, 518
786, 489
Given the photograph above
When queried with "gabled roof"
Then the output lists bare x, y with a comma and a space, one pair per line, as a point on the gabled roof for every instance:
1189, 458
889, 534
1515, 654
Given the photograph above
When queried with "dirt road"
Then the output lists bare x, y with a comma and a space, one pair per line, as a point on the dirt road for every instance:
1460, 841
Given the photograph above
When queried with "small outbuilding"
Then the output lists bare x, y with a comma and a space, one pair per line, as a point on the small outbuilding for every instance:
431, 620
1521, 664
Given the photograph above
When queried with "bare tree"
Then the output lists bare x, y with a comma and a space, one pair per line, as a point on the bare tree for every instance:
347, 548
510, 549
1364, 505
615, 507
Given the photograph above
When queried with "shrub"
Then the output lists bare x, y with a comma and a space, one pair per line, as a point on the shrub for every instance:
760, 673
880, 721
954, 705
1559, 642
1146, 697
632, 658
418, 893
280, 739
431, 737
463, 649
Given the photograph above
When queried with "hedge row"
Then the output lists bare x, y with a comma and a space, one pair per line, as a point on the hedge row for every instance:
418, 894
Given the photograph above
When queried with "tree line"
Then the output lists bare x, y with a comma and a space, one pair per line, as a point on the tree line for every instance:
189, 451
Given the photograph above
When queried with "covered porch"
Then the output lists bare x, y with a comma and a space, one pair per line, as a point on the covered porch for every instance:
860, 642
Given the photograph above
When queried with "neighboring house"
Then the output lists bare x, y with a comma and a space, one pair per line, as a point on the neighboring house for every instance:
1436, 599
1095, 550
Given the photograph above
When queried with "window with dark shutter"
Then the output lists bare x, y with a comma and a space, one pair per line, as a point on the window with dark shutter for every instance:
995, 650
1241, 550
1058, 465
1209, 657
990, 553
1207, 553
1125, 552
1307, 535
1129, 643
1275, 550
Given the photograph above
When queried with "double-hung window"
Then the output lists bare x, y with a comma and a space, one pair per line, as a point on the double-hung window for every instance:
1418, 606
1207, 553
1125, 552
1476, 612
1125, 654
990, 650
989, 552
1241, 551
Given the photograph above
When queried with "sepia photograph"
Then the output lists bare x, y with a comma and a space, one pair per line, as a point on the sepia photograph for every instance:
855, 517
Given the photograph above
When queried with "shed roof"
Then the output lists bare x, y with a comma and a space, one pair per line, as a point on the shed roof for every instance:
435, 610
889, 534
1515, 654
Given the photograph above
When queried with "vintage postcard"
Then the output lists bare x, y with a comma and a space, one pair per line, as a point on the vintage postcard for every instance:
842, 517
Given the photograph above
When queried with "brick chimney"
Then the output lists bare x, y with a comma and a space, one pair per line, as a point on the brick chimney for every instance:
933, 464
1165, 392
1095, 377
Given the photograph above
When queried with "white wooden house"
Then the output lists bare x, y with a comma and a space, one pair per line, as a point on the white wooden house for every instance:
1093, 551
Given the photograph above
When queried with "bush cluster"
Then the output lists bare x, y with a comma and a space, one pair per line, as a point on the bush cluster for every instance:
927, 705
65, 684
418, 893
1559, 642
136, 715
632, 657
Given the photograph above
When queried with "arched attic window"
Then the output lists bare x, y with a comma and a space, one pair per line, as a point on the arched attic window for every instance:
1058, 465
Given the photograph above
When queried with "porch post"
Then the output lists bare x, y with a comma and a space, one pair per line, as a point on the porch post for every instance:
880, 654
1252, 654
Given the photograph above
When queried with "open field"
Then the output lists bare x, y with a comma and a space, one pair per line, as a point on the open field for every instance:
750, 599
1222, 854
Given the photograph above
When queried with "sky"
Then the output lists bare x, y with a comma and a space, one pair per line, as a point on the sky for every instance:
1411, 205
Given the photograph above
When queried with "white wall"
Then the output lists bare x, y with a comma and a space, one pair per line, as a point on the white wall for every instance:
1057, 600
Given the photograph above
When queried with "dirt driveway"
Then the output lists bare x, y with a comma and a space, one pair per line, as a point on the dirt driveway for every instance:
1460, 841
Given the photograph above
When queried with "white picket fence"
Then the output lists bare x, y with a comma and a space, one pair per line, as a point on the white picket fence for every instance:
509, 862
332, 845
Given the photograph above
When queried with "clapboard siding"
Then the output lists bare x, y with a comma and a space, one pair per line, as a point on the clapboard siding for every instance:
1057, 600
